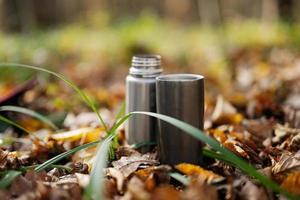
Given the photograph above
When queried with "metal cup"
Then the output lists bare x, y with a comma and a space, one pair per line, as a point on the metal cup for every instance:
180, 96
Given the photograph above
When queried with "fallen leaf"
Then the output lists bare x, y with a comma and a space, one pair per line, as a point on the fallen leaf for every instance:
10, 98
292, 183
128, 165
203, 174
294, 145
250, 191
287, 163
118, 176
85, 134
200, 191
165, 192
137, 190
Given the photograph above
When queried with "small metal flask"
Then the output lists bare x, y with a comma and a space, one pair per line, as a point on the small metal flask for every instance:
141, 96
180, 96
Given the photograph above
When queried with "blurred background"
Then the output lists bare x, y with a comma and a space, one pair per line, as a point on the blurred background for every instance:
92, 42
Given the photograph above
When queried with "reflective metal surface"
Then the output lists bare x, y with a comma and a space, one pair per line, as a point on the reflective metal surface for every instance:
180, 96
141, 96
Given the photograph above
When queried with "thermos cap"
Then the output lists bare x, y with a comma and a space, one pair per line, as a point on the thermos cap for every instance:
146, 65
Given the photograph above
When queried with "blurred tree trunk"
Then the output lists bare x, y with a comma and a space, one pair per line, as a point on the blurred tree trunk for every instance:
27, 19
269, 11
1, 15
181, 10
296, 8
210, 12
286, 9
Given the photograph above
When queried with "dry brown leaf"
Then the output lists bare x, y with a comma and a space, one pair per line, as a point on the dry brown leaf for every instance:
83, 179
292, 183
260, 128
287, 163
126, 151
219, 135
250, 191
136, 189
225, 113
128, 165
203, 174
200, 191
235, 147
118, 176
294, 145
165, 192
159, 170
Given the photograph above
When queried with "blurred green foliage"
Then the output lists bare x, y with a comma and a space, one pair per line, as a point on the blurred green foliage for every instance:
99, 42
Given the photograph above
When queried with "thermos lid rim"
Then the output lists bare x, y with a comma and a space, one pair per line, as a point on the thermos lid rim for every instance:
179, 77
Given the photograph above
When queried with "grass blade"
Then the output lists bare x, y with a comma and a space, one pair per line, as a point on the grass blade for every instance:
30, 113
215, 155
228, 155
81, 147
85, 98
95, 188
8, 121
142, 144
182, 179
8, 178
63, 155
121, 112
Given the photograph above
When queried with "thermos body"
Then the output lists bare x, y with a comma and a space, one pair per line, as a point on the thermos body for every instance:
141, 96
180, 96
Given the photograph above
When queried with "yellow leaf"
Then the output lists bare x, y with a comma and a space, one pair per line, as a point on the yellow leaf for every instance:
86, 134
292, 183
194, 170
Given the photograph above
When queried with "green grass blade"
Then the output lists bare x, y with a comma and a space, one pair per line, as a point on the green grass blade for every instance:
228, 155
63, 155
182, 179
8, 121
215, 155
85, 98
8, 178
142, 144
121, 112
30, 113
115, 143
95, 188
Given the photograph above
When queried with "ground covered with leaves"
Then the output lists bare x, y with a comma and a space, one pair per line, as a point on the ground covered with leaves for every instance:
255, 115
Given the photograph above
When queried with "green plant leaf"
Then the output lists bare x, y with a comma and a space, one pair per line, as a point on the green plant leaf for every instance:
215, 155
63, 155
228, 155
142, 144
85, 98
182, 179
121, 112
115, 143
8, 178
28, 112
95, 188
8, 121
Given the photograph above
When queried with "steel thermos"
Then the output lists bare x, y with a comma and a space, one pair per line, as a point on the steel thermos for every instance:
180, 96
141, 96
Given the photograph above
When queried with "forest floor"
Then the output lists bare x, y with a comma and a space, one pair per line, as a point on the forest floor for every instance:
252, 109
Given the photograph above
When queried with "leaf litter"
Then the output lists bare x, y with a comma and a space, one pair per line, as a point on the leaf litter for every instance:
257, 118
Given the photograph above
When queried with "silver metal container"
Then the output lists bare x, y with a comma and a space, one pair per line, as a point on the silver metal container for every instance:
180, 96
141, 96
